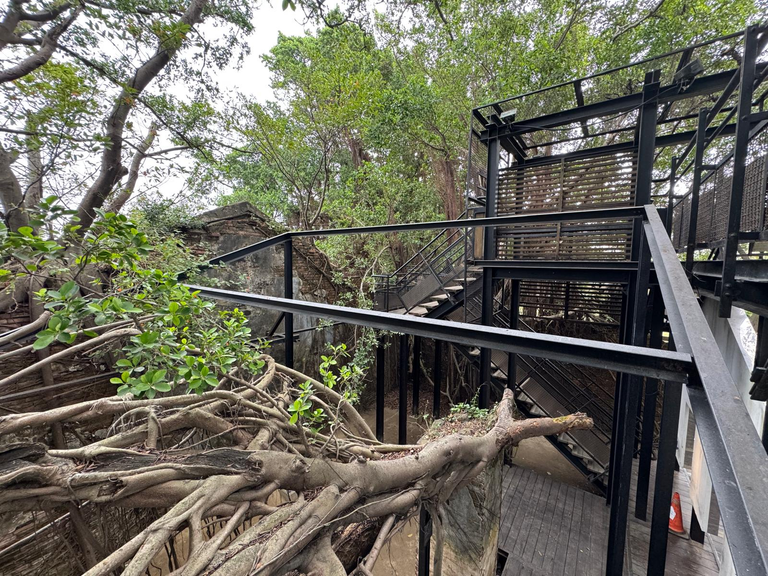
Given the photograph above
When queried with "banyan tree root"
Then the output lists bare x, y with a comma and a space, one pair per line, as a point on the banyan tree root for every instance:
221, 455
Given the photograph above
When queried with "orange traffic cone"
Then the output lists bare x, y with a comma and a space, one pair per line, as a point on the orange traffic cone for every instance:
676, 516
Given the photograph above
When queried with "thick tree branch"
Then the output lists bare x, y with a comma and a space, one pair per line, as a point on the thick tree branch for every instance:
111, 160
47, 48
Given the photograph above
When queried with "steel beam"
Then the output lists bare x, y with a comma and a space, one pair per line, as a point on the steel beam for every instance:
622, 358
531, 271
735, 455
630, 398
489, 253
740, 152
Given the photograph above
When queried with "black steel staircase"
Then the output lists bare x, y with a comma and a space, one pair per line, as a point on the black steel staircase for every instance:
441, 281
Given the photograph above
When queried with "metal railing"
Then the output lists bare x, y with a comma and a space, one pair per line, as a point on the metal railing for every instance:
735, 455
429, 270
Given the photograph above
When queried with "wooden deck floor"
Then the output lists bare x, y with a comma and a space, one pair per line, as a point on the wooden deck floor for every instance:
552, 529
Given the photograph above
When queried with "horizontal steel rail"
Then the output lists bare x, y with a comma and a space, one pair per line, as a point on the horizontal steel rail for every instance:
701, 86
612, 70
736, 459
661, 364
573, 216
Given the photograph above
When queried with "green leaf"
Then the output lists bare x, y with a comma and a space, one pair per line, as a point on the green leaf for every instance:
69, 289
162, 387
44, 340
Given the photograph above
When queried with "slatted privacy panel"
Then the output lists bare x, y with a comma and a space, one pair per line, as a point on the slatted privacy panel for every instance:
715, 197
598, 240
599, 302
563, 185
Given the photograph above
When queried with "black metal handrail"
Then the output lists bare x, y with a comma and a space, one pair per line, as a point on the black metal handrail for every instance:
736, 458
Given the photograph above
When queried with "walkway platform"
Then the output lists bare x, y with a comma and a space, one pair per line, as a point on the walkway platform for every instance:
549, 528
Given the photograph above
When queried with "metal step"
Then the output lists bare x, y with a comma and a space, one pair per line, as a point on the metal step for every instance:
417, 311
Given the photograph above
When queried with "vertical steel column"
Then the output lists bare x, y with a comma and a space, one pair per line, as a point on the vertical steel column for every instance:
665, 475
402, 406
649, 413
416, 374
425, 533
489, 253
740, 149
380, 389
671, 199
758, 372
288, 293
693, 221
514, 312
437, 376
632, 388
625, 335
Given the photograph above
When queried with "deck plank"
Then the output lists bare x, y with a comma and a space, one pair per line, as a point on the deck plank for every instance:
553, 529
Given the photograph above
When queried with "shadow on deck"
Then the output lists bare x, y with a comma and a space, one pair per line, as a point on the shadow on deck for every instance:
549, 528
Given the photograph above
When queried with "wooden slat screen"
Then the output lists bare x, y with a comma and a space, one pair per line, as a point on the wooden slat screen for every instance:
560, 186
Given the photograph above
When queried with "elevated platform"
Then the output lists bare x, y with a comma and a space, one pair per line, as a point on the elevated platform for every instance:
549, 528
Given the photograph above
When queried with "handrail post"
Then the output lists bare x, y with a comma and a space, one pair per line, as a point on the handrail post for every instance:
416, 374
740, 150
437, 376
665, 475
402, 407
693, 220
626, 406
288, 293
671, 199
514, 311
489, 253
649, 412
380, 360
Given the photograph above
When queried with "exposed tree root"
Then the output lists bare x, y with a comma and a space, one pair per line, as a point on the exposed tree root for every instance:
224, 453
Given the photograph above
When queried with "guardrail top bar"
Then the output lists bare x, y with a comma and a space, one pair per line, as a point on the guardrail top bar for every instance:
663, 364
736, 459
629, 212
612, 70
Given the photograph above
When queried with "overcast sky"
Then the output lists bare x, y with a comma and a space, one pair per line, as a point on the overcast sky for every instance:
252, 79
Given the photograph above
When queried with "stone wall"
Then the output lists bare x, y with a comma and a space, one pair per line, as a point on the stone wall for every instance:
233, 227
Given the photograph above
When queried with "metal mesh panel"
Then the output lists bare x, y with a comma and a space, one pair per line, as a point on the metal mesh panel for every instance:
560, 186
585, 301
715, 198
572, 184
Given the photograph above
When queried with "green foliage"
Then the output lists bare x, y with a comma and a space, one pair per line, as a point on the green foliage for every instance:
166, 216
109, 279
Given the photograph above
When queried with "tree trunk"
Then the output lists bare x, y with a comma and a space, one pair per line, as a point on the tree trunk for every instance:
10, 193
471, 525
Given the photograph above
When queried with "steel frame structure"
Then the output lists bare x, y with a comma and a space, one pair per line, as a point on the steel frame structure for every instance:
737, 460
